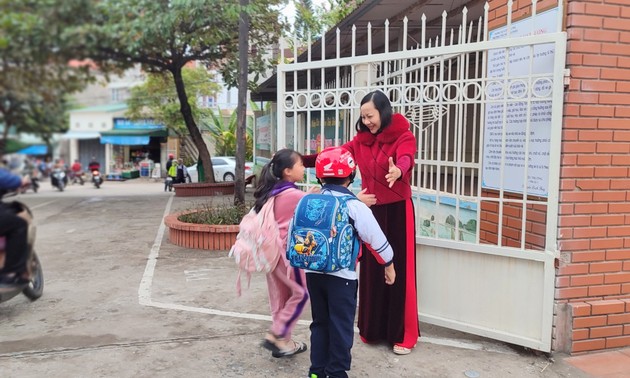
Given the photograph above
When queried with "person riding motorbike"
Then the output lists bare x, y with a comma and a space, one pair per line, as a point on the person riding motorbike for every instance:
76, 171
31, 171
94, 165
15, 229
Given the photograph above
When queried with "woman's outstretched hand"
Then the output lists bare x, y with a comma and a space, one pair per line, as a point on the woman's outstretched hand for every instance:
394, 173
368, 199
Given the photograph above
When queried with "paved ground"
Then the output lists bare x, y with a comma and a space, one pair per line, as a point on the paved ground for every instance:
120, 301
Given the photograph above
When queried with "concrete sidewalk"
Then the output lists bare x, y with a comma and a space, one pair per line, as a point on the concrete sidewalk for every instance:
612, 364
440, 352
135, 305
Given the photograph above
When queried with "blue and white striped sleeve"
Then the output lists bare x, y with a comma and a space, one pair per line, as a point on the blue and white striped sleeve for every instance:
370, 232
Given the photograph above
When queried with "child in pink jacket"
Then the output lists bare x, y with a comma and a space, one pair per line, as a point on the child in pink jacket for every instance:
287, 285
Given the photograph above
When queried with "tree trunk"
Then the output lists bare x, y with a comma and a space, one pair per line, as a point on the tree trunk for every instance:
4, 141
191, 125
241, 126
6, 115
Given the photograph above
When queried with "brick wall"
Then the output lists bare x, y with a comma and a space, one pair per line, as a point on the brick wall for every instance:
600, 324
594, 224
497, 12
593, 276
535, 217
511, 225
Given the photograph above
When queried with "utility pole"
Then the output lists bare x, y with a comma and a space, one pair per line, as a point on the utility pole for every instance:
241, 127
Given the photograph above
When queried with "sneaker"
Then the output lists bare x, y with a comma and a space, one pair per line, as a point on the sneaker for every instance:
298, 347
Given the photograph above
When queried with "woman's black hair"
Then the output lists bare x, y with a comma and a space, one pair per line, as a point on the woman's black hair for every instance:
271, 174
382, 105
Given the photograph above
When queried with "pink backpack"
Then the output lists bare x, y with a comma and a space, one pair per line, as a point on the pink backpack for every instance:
258, 244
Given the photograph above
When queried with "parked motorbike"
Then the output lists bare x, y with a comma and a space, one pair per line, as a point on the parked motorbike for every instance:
59, 179
97, 179
35, 287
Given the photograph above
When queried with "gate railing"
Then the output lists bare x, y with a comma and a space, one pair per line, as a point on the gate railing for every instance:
486, 109
453, 98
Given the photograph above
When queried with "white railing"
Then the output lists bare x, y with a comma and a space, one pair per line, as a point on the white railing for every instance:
445, 88
486, 109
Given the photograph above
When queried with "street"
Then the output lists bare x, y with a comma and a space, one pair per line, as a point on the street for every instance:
120, 301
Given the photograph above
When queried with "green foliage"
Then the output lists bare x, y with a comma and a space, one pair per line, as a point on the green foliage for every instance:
312, 19
35, 77
338, 10
224, 135
164, 36
157, 98
306, 20
228, 214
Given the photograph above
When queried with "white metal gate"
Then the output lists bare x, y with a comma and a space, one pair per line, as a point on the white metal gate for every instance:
486, 195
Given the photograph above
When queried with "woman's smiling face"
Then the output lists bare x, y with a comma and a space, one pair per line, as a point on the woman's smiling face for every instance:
371, 117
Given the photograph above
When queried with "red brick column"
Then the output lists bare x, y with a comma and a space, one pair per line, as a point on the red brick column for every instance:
594, 225
593, 276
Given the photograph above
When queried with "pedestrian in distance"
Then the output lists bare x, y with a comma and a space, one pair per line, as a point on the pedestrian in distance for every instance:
181, 173
286, 285
170, 161
334, 293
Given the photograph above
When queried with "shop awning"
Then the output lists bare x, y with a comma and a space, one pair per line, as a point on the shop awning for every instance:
75, 134
131, 137
142, 140
136, 132
36, 149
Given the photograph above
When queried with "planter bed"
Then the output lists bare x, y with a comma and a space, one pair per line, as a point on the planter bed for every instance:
200, 236
204, 189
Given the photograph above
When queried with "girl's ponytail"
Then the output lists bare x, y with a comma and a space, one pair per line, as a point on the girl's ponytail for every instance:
271, 174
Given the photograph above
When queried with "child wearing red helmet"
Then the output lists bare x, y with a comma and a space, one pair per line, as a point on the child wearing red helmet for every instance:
334, 295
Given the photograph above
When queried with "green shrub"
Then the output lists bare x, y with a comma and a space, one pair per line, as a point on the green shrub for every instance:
223, 215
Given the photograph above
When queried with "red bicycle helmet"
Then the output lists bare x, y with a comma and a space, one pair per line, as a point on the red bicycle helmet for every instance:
334, 162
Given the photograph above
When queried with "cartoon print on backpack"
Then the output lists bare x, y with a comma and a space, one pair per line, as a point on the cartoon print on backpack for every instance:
305, 245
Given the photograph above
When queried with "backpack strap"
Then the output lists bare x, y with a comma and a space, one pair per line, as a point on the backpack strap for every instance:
356, 244
267, 213
267, 210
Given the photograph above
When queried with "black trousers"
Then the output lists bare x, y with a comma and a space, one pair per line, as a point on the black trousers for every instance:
333, 306
15, 230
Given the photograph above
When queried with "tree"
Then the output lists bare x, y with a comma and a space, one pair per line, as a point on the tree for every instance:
311, 19
241, 127
35, 77
224, 135
337, 11
157, 98
165, 36
306, 21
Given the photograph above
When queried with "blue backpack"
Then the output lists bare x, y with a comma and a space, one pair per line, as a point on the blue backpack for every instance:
322, 235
